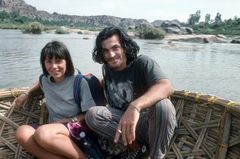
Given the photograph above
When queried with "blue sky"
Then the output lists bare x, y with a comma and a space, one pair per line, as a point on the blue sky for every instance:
141, 9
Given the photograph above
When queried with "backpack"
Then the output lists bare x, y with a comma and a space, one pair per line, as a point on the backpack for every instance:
94, 84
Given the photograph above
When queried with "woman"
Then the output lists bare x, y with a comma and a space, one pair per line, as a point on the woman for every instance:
54, 140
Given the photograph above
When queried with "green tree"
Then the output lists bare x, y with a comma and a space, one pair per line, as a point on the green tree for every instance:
14, 15
207, 18
4, 15
236, 20
194, 18
218, 19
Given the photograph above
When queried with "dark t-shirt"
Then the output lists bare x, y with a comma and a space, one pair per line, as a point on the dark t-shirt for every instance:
122, 87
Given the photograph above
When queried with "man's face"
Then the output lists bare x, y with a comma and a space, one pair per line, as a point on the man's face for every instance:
113, 53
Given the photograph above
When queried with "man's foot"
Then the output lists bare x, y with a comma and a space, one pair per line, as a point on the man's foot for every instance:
140, 153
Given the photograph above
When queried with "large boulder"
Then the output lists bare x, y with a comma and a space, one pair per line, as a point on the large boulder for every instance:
172, 27
196, 38
235, 41
187, 30
172, 30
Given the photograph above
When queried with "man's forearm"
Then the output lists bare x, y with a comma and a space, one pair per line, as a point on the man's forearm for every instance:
160, 90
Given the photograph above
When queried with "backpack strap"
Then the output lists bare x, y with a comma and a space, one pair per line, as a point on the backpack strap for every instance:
40, 79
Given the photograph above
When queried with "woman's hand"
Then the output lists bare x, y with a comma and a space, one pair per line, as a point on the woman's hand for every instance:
21, 100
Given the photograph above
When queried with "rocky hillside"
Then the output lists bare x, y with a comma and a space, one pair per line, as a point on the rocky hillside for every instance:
19, 6
99, 21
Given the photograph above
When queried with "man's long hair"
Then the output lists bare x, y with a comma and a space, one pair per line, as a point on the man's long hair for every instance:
129, 46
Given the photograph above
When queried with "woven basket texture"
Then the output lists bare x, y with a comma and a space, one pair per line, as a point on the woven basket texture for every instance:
11, 118
208, 126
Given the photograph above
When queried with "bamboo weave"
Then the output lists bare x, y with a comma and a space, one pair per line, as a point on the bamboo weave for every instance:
208, 127
11, 119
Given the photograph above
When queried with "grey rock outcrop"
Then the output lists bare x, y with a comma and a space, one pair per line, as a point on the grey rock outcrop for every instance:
19, 6
172, 27
235, 41
196, 38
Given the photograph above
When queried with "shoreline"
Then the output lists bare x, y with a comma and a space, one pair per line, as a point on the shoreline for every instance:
199, 38
196, 38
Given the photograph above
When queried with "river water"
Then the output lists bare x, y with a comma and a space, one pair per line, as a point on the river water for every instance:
205, 68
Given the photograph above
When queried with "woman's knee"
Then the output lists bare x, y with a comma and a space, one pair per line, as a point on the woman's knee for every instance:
23, 133
47, 133
43, 134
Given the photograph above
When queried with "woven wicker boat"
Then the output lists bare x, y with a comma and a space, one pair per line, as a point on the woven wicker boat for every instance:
208, 127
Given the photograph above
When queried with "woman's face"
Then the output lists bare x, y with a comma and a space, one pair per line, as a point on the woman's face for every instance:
56, 68
113, 53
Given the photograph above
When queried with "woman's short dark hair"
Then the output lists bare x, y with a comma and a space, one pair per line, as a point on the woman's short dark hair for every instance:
59, 51
129, 45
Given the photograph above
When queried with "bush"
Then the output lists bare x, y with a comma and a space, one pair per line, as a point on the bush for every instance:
34, 28
149, 32
61, 30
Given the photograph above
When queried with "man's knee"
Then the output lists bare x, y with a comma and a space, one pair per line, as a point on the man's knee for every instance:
165, 106
165, 112
165, 124
96, 116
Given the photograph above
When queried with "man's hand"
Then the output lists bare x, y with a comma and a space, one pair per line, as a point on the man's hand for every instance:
127, 126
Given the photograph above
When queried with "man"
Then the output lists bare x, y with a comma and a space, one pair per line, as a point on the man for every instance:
137, 92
